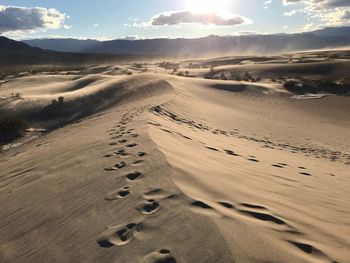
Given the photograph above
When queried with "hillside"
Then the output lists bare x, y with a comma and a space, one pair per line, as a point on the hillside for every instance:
17, 53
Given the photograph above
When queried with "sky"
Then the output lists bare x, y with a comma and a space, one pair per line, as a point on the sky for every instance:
135, 19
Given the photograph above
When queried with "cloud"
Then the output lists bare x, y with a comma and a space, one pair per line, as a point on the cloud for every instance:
321, 12
267, 3
175, 18
327, 3
14, 18
188, 17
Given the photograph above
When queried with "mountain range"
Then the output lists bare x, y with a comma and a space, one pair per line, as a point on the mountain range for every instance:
15, 53
211, 45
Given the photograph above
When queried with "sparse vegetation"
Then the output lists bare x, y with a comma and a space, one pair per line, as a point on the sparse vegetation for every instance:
317, 86
12, 128
169, 65
16, 96
58, 101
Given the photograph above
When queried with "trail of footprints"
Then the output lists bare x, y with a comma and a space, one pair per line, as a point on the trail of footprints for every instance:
262, 214
250, 158
254, 212
161, 111
120, 235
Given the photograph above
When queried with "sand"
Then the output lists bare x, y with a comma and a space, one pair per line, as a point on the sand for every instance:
154, 167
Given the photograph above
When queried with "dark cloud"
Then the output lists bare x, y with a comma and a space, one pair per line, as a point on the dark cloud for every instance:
337, 3
13, 18
325, 3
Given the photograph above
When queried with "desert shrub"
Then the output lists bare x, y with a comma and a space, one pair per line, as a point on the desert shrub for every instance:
332, 87
60, 100
138, 65
300, 88
210, 74
169, 65
187, 73
16, 96
247, 77
181, 74
12, 128
128, 73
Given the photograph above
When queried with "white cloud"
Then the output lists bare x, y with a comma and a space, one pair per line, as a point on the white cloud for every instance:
267, 3
14, 18
322, 12
188, 17
175, 18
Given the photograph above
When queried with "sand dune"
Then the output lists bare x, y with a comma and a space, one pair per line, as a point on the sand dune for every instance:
82, 96
162, 168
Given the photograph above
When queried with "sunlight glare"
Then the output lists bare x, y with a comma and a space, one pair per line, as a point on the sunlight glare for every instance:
205, 6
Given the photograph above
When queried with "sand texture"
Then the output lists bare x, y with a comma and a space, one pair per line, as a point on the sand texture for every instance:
153, 167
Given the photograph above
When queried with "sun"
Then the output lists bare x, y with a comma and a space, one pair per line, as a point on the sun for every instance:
205, 6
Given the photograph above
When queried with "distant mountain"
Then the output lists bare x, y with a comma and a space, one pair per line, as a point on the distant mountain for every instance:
211, 45
63, 44
333, 32
14, 53
8, 45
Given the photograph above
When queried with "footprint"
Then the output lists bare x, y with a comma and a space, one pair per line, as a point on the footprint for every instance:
253, 206
211, 148
121, 153
123, 141
277, 165
186, 137
148, 207
134, 135
116, 166
161, 256
166, 130
137, 162
141, 154
201, 205
133, 176
118, 235
131, 145
113, 143
253, 160
304, 173
226, 204
158, 194
120, 194
263, 216
230, 152
311, 250
302, 246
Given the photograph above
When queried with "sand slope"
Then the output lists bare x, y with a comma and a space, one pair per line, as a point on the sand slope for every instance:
172, 169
